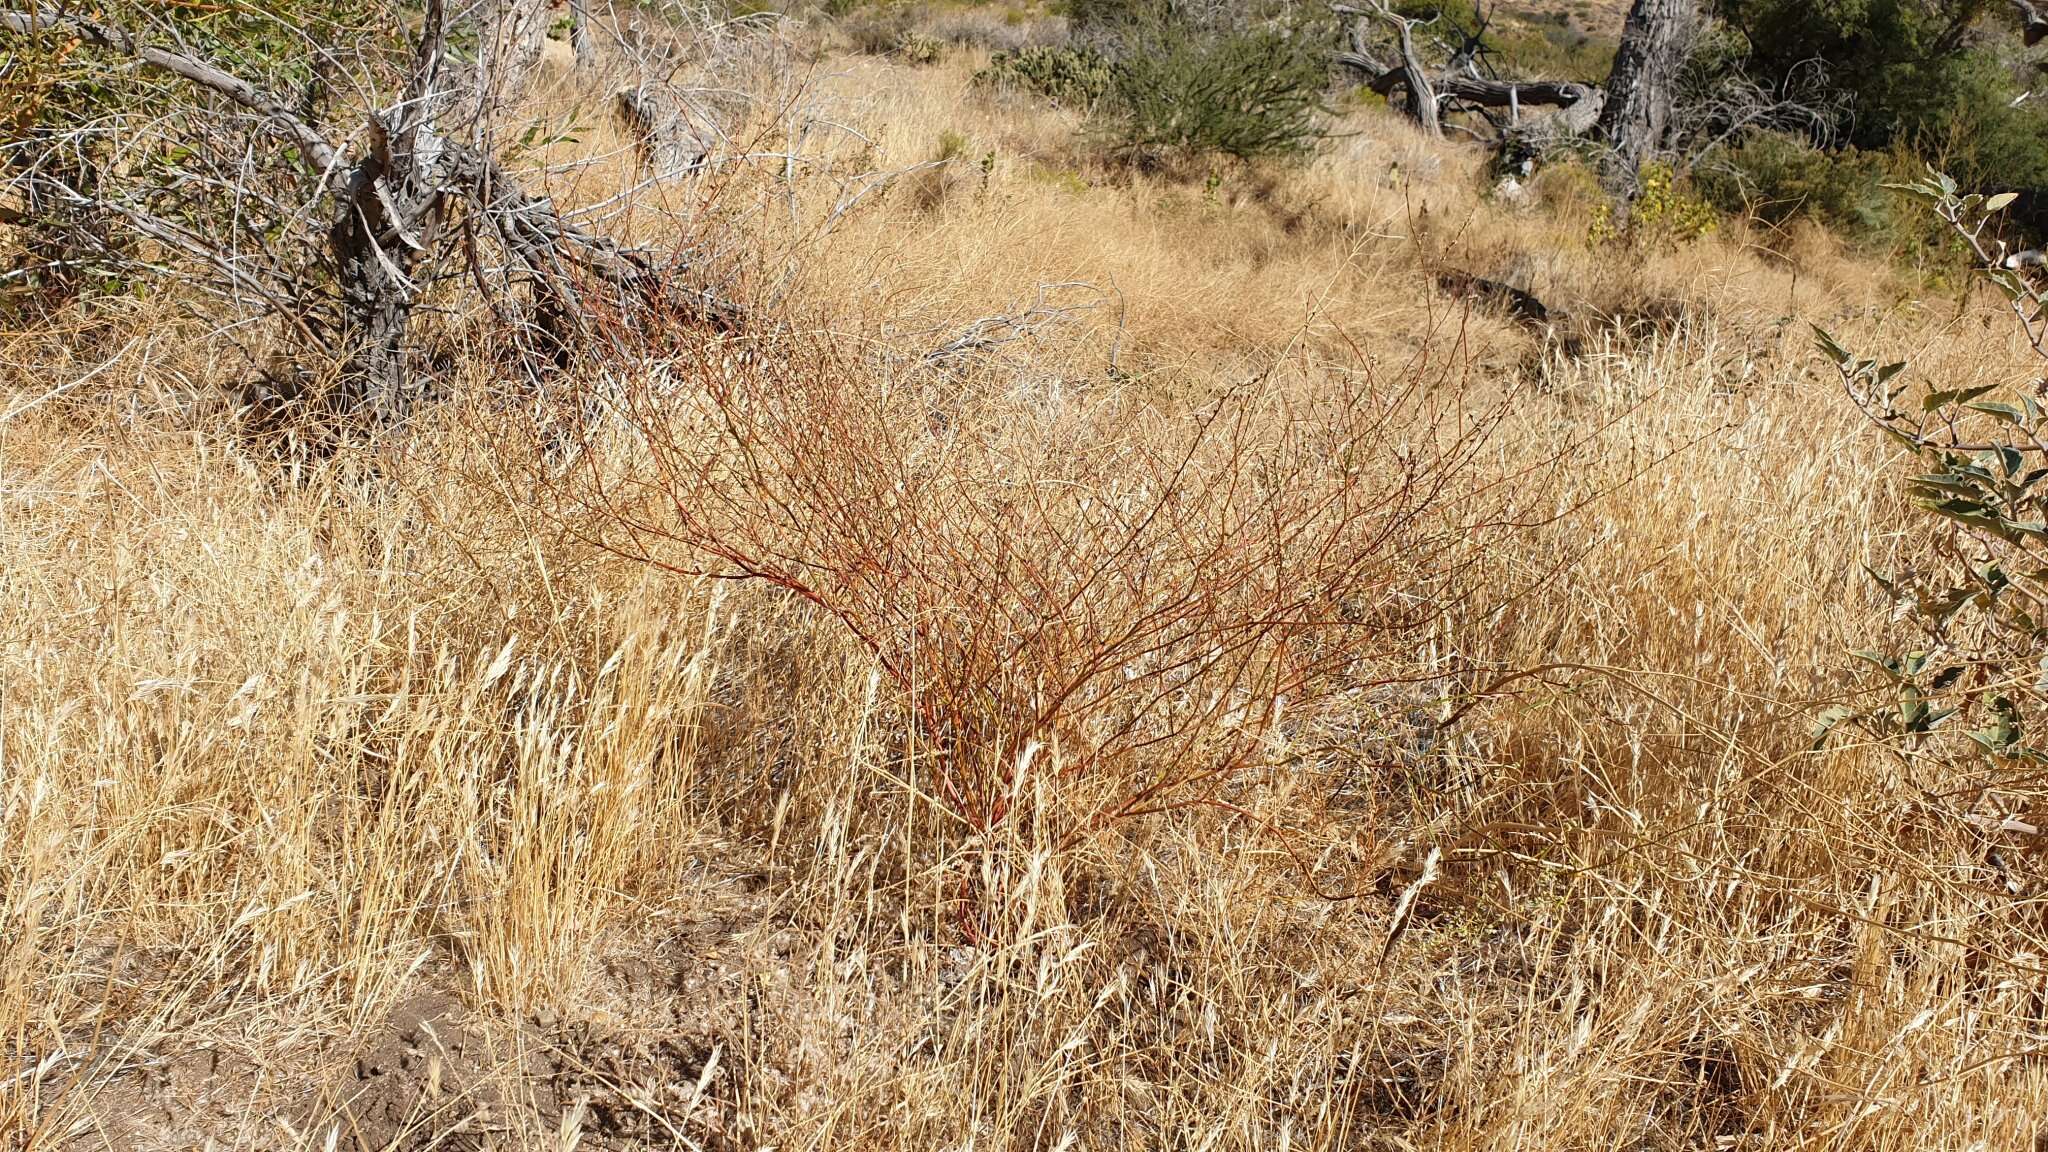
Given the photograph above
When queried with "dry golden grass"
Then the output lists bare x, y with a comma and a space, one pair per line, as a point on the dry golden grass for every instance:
373, 806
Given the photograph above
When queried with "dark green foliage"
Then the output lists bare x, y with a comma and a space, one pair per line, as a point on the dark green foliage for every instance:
1181, 90
1927, 74
1895, 84
1975, 131
1775, 177
1076, 77
1889, 52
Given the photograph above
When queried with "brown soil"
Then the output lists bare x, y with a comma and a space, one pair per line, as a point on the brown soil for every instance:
651, 1051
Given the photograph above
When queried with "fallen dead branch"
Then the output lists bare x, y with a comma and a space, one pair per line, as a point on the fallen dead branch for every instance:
1426, 89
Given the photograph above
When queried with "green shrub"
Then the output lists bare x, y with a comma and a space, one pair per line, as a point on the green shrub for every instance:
1071, 76
1174, 79
1165, 83
1973, 127
1915, 79
1183, 90
1856, 195
1775, 178
1667, 214
158, 137
1962, 697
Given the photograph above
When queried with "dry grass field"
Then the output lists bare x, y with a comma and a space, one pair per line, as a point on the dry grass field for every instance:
1258, 700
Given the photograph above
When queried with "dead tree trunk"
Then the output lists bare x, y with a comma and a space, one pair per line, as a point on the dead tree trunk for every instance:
1426, 92
1643, 85
512, 34
579, 33
1405, 73
386, 218
1422, 105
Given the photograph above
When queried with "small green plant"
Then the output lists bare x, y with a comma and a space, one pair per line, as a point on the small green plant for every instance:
1666, 214
920, 48
1060, 179
1964, 695
931, 187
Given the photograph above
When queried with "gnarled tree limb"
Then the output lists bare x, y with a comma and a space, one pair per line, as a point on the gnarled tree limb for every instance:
389, 233
2033, 26
1426, 92
1406, 73
319, 155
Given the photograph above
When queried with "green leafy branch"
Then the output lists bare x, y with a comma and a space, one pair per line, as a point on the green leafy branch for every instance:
1971, 689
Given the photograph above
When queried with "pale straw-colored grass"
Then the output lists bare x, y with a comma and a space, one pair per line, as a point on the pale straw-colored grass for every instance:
280, 755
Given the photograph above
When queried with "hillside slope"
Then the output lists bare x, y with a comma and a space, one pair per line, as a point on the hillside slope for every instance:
392, 801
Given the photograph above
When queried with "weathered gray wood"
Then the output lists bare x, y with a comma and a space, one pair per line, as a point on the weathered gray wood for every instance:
511, 36
1425, 92
2033, 26
1405, 73
663, 129
1643, 85
1581, 103
393, 203
579, 33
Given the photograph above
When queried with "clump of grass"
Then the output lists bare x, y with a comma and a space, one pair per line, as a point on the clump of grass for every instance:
1180, 90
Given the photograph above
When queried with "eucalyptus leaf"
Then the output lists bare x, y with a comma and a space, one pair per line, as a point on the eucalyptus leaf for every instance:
1827, 723
1829, 345
2006, 412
